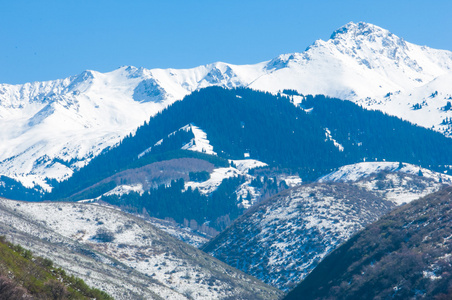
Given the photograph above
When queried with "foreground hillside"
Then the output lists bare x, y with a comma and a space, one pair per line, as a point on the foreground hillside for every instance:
23, 276
404, 255
282, 239
125, 256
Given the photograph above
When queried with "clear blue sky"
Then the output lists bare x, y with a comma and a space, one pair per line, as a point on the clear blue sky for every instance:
44, 40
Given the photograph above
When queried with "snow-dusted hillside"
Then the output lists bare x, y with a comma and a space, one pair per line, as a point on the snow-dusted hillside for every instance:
48, 129
282, 239
124, 255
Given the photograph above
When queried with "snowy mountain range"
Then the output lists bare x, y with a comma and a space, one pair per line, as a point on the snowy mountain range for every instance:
49, 129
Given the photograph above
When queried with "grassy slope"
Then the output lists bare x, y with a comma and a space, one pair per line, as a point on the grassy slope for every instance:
23, 276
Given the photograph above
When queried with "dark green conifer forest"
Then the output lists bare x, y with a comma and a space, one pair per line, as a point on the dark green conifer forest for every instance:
271, 129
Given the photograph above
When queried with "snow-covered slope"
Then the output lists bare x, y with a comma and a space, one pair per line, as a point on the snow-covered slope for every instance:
199, 143
51, 128
362, 170
124, 255
359, 61
283, 238
48, 129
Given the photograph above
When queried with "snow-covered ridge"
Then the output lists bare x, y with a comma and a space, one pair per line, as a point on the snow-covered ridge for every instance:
399, 183
362, 170
49, 129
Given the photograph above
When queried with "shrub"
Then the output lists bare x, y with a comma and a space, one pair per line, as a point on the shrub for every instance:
104, 236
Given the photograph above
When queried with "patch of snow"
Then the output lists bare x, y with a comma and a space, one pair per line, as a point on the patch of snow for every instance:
291, 180
126, 189
329, 137
248, 194
216, 177
244, 165
430, 275
240, 168
199, 143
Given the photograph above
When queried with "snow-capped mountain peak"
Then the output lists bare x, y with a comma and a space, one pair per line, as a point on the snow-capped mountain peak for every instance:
375, 48
367, 43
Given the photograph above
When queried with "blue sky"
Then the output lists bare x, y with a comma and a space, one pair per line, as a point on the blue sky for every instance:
45, 40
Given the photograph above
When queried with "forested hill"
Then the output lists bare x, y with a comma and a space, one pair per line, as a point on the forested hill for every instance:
313, 139
404, 255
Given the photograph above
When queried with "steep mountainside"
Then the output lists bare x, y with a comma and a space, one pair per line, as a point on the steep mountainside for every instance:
52, 128
282, 239
123, 255
404, 255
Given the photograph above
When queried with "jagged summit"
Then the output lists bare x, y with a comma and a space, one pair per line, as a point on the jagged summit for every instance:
352, 29
361, 43
370, 46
